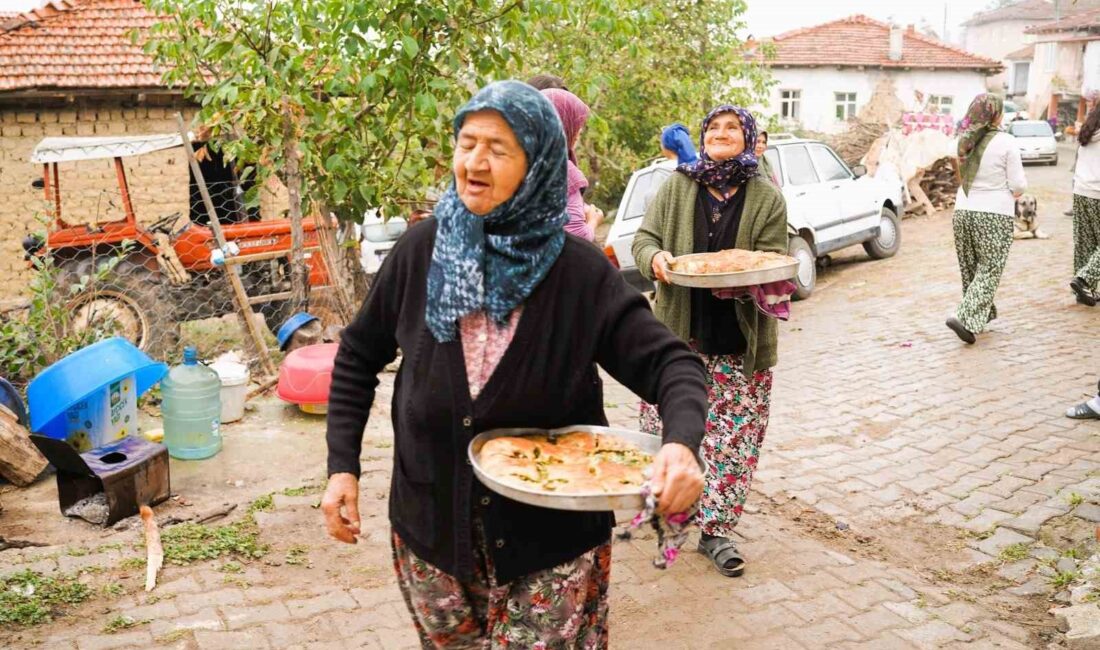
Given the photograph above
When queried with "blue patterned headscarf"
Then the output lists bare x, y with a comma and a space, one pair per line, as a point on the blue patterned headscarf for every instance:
494, 262
727, 173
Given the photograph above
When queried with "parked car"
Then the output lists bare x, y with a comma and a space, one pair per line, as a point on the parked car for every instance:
829, 207
1014, 112
1036, 141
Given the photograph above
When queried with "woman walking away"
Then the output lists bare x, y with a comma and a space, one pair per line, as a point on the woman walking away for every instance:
992, 177
583, 217
502, 319
676, 144
1086, 212
719, 202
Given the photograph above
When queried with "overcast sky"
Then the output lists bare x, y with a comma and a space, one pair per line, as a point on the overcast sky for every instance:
771, 17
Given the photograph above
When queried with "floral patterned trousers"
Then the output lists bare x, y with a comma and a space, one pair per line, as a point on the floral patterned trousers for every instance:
737, 418
1086, 240
982, 241
563, 608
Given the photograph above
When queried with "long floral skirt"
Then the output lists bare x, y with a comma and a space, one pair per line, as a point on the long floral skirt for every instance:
982, 242
1086, 240
560, 608
737, 418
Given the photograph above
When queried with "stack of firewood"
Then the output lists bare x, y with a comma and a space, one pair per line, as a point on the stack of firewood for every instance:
940, 184
856, 141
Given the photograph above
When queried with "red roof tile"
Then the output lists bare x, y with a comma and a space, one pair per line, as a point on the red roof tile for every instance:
1025, 53
862, 41
1084, 21
77, 44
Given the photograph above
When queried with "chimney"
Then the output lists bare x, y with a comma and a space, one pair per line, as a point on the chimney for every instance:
896, 39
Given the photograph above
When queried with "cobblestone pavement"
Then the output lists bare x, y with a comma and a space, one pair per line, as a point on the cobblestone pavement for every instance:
902, 499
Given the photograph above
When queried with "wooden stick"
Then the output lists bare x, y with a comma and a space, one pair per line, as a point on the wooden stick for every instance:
231, 271
262, 388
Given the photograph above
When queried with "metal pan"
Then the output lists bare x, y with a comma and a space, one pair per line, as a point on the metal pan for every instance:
729, 280
590, 501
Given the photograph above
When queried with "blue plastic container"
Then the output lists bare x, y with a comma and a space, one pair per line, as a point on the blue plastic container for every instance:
82, 374
292, 325
192, 408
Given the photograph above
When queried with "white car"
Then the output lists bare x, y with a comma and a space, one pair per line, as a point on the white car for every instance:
376, 239
829, 207
1036, 141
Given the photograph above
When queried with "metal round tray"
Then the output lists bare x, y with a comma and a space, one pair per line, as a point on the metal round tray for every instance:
729, 280
589, 501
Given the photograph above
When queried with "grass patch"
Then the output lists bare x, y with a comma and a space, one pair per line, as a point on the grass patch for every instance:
1063, 579
121, 623
297, 555
1015, 552
132, 563
1075, 500
30, 598
113, 589
78, 551
266, 503
231, 567
187, 543
303, 491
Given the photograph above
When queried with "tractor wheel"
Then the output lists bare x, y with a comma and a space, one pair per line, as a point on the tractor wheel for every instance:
128, 303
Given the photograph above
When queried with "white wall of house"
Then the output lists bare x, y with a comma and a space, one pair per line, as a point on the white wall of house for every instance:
995, 40
818, 88
1062, 59
1091, 79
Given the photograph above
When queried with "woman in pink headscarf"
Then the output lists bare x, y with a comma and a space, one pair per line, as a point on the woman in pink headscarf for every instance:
583, 218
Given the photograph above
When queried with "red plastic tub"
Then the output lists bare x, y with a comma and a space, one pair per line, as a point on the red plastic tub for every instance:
306, 376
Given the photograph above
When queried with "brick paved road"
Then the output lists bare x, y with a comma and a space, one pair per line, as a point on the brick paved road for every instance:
932, 456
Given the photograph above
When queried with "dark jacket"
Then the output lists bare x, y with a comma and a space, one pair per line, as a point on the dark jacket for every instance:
580, 315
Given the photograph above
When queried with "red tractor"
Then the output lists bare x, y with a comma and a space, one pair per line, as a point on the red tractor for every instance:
166, 274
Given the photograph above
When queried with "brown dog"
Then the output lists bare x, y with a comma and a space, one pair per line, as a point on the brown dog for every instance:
1027, 219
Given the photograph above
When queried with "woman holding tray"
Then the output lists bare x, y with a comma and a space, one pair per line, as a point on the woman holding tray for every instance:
502, 319
717, 203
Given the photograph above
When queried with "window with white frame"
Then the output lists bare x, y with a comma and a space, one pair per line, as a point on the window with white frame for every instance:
845, 106
790, 104
941, 104
1049, 55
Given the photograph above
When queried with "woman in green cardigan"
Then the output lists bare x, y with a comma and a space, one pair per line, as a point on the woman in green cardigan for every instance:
717, 203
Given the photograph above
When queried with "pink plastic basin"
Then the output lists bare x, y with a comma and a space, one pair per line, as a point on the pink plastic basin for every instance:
306, 374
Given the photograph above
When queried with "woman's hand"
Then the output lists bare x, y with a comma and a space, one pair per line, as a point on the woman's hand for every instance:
342, 492
677, 481
660, 265
593, 216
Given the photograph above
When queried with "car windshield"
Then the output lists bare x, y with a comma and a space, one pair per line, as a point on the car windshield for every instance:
1031, 130
645, 188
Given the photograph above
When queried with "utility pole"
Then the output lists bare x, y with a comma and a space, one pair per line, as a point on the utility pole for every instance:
944, 32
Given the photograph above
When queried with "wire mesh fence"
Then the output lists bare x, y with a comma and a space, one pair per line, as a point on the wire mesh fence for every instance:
156, 275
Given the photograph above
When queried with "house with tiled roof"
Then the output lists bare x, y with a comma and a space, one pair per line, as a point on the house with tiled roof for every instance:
1065, 73
1002, 34
69, 68
826, 74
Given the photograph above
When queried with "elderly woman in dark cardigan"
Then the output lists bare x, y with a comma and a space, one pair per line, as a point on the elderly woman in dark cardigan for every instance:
502, 318
717, 203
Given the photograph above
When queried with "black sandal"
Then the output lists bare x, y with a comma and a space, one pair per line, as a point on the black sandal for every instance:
1085, 295
1082, 412
723, 552
960, 330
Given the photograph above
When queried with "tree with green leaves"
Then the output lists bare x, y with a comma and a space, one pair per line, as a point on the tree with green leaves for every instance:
660, 62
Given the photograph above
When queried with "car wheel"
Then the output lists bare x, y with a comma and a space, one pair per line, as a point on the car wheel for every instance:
888, 240
1054, 163
806, 279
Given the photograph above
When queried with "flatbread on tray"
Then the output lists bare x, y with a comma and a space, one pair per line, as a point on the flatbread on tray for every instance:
574, 463
734, 260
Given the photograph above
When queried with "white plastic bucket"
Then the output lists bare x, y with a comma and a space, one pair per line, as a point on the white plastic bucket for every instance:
235, 378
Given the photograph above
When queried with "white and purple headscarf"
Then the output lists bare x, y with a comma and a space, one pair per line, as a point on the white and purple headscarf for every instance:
727, 173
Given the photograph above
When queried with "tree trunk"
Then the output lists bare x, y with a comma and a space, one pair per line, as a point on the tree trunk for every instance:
299, 272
